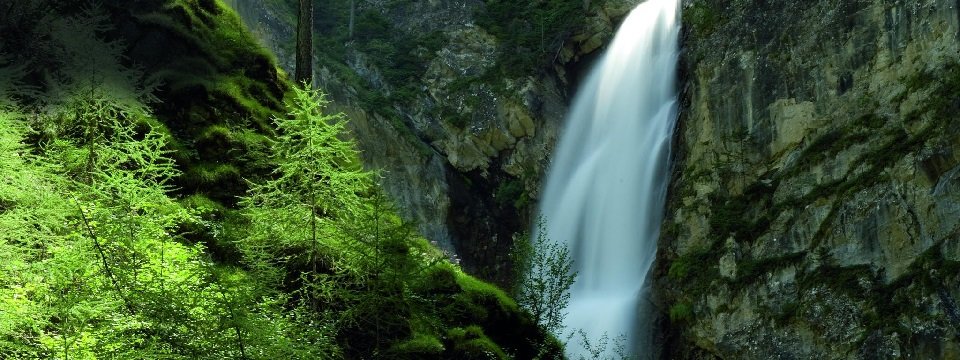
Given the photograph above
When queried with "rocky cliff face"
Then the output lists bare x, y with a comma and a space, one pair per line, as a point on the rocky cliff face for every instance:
815, 205
459, 102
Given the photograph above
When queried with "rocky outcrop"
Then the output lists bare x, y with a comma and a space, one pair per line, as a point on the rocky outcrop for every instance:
462, 138
815, 205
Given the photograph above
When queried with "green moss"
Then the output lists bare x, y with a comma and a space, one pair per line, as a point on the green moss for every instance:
213, 77
211, 173
418, 345
202, 205
695, 264
472, 343
218, 181
480, 291
680, 268
681, 312
484, 317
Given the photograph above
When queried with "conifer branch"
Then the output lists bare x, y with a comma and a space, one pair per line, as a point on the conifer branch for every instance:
103, 259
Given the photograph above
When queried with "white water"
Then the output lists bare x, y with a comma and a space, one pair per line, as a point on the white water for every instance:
604, 195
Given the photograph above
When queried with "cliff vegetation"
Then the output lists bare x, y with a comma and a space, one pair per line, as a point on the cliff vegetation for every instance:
166, 193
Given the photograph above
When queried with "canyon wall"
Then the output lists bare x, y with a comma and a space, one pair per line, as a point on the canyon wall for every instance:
814, 210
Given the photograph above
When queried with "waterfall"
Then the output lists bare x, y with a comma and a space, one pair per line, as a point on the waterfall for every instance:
605, 191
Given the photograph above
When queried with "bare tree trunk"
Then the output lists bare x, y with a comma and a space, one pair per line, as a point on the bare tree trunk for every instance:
304, 70
353, 10
586, 5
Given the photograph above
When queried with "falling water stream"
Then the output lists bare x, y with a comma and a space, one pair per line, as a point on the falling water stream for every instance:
605, 192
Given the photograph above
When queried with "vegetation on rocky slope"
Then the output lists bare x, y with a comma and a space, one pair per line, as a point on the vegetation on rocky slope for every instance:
162, 197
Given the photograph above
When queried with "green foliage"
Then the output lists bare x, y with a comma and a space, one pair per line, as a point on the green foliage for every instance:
321, 230
11, 84
543, 278
512, 192
315, 189
604, 347
98, 259
96, 263
531, 32
108, 252
701, 17
31, 215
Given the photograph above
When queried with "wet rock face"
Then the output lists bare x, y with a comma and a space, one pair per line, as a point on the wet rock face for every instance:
815, 205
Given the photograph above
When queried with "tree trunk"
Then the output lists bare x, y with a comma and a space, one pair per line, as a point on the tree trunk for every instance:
353, 10
304, 70
586, 5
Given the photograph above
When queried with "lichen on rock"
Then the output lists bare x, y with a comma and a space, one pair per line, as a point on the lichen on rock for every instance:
818, 138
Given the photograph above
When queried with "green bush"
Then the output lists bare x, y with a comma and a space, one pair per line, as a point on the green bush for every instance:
543, 277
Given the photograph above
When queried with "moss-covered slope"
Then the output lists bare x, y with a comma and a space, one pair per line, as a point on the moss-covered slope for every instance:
217, 87
214, 90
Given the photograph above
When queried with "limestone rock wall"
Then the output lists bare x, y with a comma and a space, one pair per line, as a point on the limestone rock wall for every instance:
814, 210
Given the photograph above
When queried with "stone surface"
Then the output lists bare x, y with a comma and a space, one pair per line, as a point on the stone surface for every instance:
819, 138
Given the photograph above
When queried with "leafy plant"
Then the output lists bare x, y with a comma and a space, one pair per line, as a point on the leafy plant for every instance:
543, 277
603, 347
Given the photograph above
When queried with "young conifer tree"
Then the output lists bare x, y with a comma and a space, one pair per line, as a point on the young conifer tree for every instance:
317, 183
296, 241
322, 229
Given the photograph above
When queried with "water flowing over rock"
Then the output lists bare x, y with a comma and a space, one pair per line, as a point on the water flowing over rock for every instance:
606, 186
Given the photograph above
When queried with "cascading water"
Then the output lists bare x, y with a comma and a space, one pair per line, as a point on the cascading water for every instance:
604, 196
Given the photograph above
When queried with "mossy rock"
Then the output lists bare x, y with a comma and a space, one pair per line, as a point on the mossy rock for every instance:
418, 347
471, 343
219, 87
483, 320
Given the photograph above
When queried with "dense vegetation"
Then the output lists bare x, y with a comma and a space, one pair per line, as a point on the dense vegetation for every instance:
201, 207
